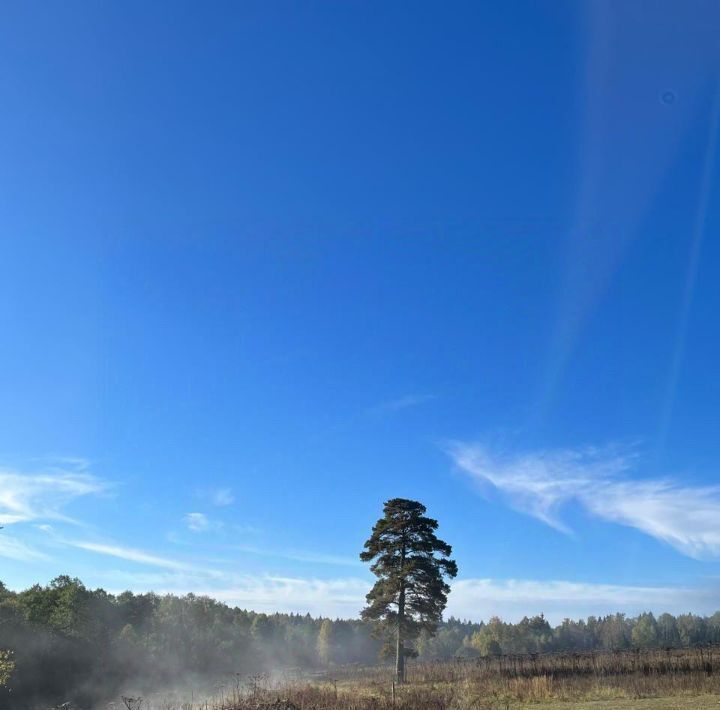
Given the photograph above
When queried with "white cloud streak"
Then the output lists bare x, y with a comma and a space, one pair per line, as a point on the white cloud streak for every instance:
340, 597
128, 553
320, 597
473, 599
301, 556
17, 550
41, 496
557, 599
540, 483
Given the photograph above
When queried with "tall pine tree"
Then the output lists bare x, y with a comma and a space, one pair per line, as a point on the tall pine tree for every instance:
411, 564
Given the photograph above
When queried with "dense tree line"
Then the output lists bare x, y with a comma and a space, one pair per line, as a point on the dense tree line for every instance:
72, 643
536, 635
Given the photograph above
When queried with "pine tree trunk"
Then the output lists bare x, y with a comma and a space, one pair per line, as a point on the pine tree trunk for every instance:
400, 653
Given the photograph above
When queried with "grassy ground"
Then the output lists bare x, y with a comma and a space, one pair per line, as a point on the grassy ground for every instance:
343, 702
659, 693
686, 680
701, 702
432, 698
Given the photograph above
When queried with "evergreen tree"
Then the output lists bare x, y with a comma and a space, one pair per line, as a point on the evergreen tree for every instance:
410, 593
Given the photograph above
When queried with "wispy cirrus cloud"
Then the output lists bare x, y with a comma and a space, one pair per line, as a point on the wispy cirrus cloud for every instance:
117, 550
15, 549
41, 495
190, 572
128, 553
540, 483
301, 556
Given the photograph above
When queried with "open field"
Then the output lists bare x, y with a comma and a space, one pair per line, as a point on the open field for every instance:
419, 698
702, 702
631, 680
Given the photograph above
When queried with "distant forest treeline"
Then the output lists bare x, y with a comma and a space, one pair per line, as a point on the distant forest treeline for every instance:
73, 643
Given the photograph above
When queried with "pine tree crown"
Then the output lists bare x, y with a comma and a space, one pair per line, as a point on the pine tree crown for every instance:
411, 563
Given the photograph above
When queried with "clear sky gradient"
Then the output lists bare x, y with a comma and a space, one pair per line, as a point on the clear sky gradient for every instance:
266, 264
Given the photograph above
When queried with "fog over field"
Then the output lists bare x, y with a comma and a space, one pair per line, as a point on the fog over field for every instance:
71, 643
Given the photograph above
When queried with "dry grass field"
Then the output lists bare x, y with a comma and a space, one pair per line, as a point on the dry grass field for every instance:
631, 680
700, 702
419, 698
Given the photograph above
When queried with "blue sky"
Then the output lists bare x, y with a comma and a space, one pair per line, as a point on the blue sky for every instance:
265, 265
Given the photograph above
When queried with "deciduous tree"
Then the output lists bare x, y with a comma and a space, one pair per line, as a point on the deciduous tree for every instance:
7, 665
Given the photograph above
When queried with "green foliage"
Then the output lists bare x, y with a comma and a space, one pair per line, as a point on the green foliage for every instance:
66, 642
691, 629
667, 631
645, 632
411, 564
71, 642
262, 628
7, 666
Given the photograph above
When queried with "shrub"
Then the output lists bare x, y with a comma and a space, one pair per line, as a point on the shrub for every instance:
7, 666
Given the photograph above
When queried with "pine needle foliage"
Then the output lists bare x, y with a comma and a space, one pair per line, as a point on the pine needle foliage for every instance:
411, 564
